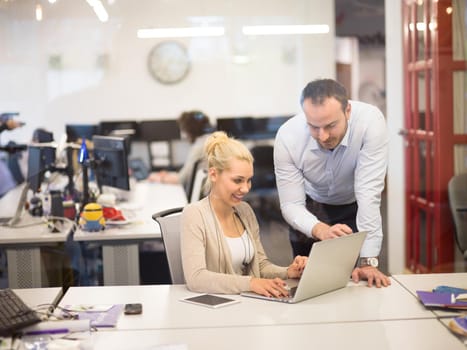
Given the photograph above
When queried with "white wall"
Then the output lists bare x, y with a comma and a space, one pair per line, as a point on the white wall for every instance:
70, 68
395, 117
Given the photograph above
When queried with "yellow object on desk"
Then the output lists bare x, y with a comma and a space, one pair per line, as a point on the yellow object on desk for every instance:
92, 218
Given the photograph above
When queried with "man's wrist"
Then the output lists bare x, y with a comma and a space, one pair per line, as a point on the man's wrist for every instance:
368, 261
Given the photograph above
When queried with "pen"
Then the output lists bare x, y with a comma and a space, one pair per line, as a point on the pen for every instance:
47, 331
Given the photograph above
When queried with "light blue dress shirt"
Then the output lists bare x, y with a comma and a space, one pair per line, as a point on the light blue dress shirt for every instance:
354, 171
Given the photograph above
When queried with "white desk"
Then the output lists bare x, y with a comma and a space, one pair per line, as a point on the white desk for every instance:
163, 310
423, 334
23, 244
120, 243
414, 282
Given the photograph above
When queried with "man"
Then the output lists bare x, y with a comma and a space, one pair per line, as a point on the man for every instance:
330, 163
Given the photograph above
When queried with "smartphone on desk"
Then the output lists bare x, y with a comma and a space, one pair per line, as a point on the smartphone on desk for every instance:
133, 309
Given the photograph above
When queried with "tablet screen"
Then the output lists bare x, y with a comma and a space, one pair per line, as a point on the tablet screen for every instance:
210, 300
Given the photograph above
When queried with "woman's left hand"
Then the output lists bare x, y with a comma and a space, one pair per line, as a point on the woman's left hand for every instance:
295, 269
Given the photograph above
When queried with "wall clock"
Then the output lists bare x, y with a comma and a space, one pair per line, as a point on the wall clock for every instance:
168, 62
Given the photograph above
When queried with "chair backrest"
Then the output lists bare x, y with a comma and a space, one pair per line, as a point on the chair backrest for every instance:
457, 190
169, 222
197, 191
264, 176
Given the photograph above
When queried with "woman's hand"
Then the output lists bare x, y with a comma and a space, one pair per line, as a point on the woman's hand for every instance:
295, 269
269, 287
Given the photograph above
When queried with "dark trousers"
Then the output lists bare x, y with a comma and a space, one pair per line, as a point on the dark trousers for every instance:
327, 213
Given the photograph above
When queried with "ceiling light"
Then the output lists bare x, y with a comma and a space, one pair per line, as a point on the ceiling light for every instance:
180, 32
99, 9
38, 12
286, 29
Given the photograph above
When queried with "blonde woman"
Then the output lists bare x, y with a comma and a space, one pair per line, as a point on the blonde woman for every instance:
220, 242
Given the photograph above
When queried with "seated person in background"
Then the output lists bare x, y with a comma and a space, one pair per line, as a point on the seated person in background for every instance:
7, 181
195, 126
220, 243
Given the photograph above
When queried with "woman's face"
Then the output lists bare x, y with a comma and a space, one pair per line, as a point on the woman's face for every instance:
232, 184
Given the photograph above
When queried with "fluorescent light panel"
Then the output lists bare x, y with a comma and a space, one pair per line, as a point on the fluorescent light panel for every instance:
99, 9
180, 32
286, 29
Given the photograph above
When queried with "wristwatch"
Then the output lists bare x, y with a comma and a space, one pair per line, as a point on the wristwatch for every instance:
372, 261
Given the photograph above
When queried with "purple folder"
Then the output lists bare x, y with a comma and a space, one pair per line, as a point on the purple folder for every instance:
443, 300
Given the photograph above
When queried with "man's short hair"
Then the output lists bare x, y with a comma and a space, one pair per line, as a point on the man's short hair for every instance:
321, 89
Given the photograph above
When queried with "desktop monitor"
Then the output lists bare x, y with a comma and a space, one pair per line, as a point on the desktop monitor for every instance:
251, 128
159, 130
110, 160
75, 132
239, 127
40, 159
127, 129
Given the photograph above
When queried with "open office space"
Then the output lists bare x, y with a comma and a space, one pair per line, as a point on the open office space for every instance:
66, 64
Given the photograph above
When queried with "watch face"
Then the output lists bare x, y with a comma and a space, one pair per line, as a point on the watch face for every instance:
168, 62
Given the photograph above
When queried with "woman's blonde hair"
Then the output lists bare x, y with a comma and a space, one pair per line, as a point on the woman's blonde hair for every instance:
219, 149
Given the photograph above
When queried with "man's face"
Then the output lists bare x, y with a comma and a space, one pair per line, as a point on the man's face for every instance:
327, 121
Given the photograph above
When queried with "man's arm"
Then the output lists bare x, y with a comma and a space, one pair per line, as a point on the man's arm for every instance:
291, 183
369, 183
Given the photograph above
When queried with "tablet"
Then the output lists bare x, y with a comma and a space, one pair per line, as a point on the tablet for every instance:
210, 300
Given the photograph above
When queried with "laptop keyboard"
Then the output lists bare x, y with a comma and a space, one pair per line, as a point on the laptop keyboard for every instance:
15, 314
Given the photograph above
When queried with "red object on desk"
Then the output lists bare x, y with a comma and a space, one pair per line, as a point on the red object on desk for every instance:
111, 213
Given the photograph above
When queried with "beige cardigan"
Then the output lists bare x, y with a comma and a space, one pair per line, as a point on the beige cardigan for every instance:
207, 263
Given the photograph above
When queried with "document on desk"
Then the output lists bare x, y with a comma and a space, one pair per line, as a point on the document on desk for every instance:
106, 316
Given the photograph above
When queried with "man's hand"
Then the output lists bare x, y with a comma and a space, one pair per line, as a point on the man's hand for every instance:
372, 275
323, 231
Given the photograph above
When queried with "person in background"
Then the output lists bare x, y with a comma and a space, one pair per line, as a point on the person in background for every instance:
330, 164
196, 127
220, 243
7, 181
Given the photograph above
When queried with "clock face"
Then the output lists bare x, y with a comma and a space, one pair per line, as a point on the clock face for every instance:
168, 62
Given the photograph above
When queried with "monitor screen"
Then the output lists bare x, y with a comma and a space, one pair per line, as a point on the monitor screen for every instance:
239, 127
40, 159
75, 132
159, 130
251, 128
119, 128
111, 162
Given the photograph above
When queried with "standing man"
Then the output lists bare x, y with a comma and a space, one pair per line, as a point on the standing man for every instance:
330, 163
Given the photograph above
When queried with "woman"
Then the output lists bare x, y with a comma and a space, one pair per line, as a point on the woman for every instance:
195, 126
220, 243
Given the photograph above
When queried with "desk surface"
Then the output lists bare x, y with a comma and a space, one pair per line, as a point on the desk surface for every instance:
147, 198
414, 282
162, 308
426, 334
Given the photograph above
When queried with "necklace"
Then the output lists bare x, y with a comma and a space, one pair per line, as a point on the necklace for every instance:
246, 245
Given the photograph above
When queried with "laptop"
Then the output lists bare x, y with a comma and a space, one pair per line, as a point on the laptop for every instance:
329, 267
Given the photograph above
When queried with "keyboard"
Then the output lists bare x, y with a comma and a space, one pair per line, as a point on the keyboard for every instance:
14, 313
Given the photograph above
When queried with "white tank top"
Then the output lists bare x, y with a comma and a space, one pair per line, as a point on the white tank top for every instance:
241, 250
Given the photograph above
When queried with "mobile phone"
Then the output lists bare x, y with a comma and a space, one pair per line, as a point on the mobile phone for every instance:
133, 309
210, 300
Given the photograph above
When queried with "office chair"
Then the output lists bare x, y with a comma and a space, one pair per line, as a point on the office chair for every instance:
169, 222
263, 196
457, 191
199, 179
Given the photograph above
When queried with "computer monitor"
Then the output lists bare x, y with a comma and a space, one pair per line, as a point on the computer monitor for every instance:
40, 159
110, 162
75, 132
251, 128
238, 127
159, 130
